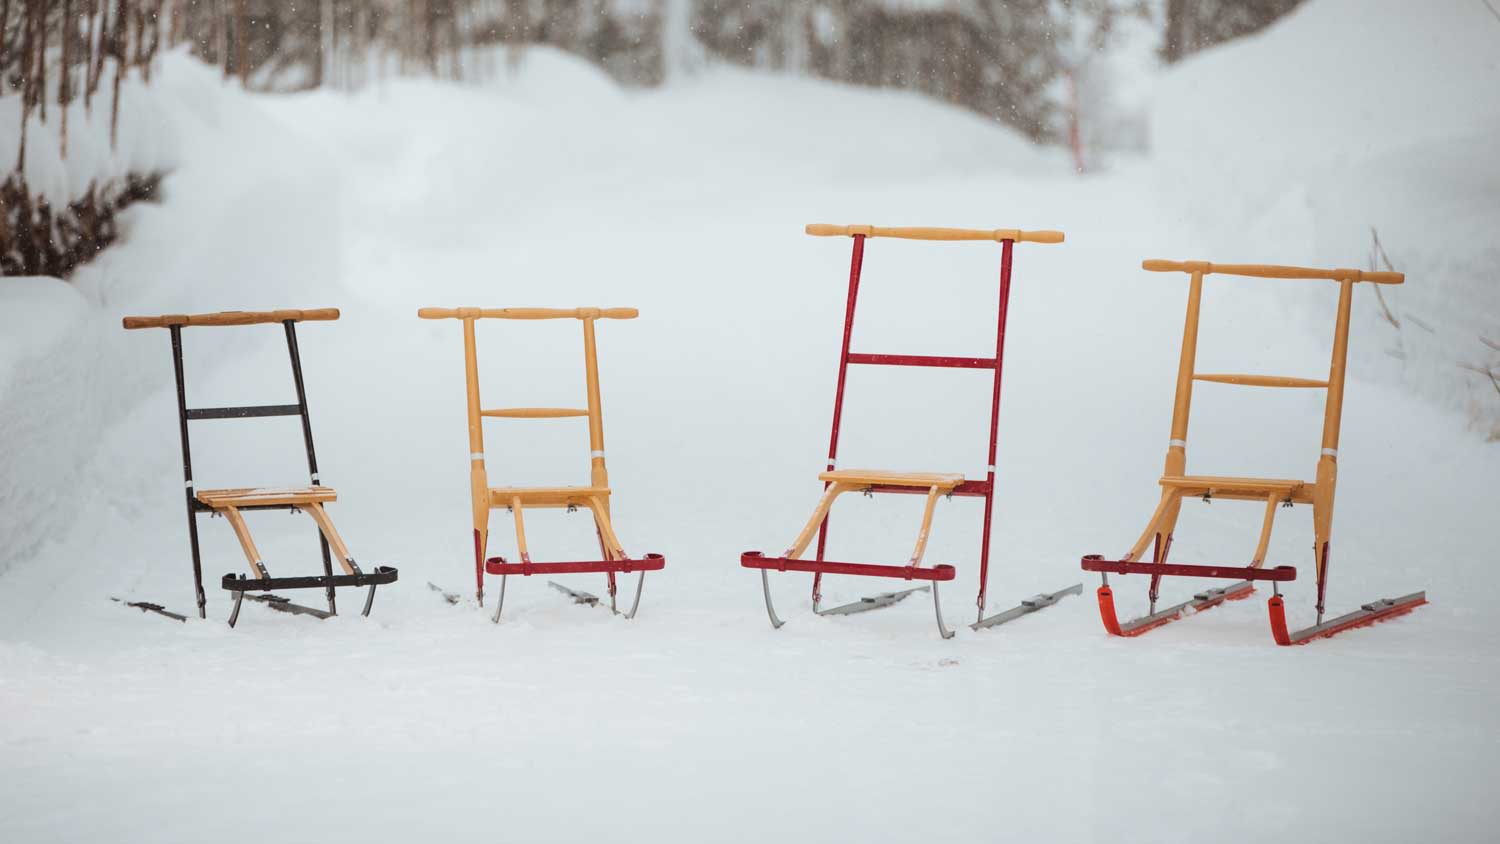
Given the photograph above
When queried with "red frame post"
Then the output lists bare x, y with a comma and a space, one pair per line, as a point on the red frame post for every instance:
989, 481
856, 264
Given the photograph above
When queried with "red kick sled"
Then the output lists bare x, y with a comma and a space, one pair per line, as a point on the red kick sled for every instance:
931, 485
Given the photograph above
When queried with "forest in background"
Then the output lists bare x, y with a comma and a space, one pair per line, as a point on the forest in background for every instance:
1014, 61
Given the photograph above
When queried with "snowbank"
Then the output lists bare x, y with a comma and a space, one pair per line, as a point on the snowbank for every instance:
50, 372
1350, 116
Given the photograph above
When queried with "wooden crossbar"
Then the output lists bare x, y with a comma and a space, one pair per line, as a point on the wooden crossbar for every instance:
1272, 271
528, 313
934, 233
230, 318
1261, 380
533, 412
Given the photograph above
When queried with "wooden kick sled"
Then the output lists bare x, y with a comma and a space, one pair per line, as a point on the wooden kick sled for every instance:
594, 497
931, 485
232, 504
1176, 484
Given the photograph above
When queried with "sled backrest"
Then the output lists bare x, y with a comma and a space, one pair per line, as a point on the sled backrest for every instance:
174, 323
599, 476
1186, 374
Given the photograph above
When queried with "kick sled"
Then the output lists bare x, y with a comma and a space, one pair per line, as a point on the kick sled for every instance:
594, 497
232, 504
933, 485
1176, 484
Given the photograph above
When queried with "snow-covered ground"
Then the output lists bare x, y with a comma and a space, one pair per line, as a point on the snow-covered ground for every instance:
696, 721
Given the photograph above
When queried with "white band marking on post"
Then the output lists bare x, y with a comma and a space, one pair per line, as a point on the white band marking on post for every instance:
1331, 452
478, 455
188, 484
992, 468
315, 477
1178, 443
597, 454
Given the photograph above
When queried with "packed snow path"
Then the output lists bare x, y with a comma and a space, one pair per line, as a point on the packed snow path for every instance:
697, 721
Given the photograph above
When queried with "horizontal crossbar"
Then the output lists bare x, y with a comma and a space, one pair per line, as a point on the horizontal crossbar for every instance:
1095, 562
246, 412
1261, 380
533, 412
923, 360
239, 583
200, 507
650, 562
757, 560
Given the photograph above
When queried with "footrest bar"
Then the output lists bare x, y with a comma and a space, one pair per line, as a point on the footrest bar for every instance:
587, 599
380, 575
1096, 562
650, 562
874, 602
1027, 607
758, 560
1370, 613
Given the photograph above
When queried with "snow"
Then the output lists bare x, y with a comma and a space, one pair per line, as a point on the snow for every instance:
1372, 114
696, 721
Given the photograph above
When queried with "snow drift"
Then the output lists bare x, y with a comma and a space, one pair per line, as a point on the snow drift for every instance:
1347, 117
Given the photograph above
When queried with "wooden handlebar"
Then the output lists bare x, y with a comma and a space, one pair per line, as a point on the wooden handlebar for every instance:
1272, 271
930, 233
528, 313
229, 318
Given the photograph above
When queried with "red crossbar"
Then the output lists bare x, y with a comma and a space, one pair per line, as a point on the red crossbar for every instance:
650, 562
1095, 562
923, 360
758, 560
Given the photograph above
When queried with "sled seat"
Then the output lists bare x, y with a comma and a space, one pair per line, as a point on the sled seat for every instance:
944, 481
547, 496
1252, 489
220, 499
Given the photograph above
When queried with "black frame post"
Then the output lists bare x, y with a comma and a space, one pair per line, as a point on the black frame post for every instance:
307, 438
187, 470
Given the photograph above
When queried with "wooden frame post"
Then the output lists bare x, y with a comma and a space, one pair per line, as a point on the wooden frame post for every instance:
479, 488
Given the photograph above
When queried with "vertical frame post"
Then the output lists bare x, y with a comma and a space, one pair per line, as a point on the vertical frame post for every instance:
479, 490
856, 264
1006, 249
187, 470
307, 440
598, 472
1176, 462
1328, 461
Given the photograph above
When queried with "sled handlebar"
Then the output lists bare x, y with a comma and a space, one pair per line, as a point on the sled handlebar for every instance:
229, 318
931, 233
1272, 271
528, 313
